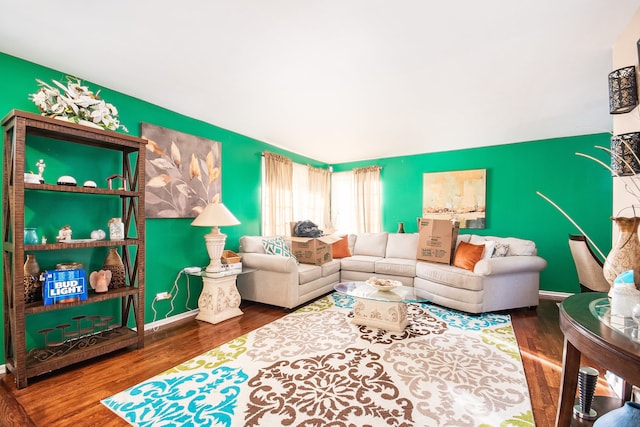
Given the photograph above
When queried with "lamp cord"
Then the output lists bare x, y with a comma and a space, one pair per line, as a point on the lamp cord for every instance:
174, 292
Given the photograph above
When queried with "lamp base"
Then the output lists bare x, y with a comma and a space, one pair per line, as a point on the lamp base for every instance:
214, 242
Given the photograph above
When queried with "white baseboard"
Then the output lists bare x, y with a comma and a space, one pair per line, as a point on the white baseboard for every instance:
553, 295
169, 320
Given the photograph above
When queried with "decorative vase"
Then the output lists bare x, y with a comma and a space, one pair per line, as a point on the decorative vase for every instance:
113, 263
626, 416
625, 254
30, 236
401, 227
31, 280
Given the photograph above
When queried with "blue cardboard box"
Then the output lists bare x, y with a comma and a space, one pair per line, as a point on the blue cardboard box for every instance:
63, 286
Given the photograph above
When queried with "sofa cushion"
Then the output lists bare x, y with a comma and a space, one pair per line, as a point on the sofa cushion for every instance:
331, 267
371, 244
489, 245
308, 273
396, 266
340, 248
402, 245
467, 255
449, 275
277, 246
364, 263
252, 244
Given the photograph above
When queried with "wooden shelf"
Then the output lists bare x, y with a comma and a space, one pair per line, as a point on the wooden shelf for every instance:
77, 189
120, 338
39, 307
19, 127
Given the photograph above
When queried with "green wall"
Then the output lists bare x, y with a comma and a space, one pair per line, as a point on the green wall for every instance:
514, 173
171, 243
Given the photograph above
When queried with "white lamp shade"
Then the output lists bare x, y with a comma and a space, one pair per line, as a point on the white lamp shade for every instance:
215, 215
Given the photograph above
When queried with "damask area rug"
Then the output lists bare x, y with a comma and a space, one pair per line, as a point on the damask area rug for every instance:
315, 368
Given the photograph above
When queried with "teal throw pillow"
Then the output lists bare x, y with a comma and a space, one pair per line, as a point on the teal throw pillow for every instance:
277, 246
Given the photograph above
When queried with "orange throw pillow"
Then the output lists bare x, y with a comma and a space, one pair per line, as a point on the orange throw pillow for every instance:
467, 255
341, 248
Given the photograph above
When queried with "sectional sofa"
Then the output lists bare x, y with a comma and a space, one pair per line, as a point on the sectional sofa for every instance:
506, 277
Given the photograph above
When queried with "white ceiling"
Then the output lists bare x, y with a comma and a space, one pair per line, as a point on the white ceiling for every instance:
343, 80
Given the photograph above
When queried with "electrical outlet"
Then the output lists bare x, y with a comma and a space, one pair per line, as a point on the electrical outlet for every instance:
163, 295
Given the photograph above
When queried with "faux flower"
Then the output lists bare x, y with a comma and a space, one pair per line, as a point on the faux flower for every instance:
75, 102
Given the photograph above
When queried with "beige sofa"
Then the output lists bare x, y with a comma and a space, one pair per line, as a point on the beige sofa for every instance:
280, 280
507, 282
500, 283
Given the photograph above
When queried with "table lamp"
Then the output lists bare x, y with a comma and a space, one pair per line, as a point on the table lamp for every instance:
215, 215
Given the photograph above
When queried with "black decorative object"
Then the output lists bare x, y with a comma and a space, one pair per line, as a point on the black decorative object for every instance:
587, 380
623, 90
625, 151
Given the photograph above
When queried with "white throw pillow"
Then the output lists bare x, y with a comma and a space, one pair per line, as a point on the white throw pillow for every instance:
489, 245
371, 244
500, 250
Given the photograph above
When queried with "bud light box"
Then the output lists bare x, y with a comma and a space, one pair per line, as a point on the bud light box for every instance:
63, 286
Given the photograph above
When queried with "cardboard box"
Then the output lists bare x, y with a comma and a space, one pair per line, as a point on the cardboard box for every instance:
437, 240
63, 286
309, 250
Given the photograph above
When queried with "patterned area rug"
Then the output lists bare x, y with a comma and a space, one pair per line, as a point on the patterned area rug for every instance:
315, 368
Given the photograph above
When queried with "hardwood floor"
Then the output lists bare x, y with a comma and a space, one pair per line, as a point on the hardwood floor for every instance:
71, 397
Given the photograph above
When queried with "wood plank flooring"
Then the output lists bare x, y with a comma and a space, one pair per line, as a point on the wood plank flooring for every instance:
71, 397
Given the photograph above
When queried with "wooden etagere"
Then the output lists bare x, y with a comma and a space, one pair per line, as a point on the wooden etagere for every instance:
18, 127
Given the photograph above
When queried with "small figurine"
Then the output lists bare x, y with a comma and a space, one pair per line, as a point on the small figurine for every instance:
120, 177
98, 234
64, 233
41, 165
99, 280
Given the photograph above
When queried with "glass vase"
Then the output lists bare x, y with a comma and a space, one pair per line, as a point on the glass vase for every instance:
625, 254
30, 236
626, 416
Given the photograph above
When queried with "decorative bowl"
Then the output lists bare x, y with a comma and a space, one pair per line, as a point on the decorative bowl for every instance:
383, 284
67, 180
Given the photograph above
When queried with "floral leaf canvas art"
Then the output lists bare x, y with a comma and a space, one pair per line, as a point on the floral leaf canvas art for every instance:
182, 171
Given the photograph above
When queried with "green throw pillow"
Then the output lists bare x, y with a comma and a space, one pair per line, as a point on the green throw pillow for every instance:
277, 246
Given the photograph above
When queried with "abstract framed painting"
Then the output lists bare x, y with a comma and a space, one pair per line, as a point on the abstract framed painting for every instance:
183, 172
457, 194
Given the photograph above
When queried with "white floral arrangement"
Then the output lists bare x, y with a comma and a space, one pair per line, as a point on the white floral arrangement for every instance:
76, 103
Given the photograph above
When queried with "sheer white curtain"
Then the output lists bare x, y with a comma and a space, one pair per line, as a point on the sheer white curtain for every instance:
311, 195
293, 192
367, 192
300, 192
343, 207
277, 194
319, 197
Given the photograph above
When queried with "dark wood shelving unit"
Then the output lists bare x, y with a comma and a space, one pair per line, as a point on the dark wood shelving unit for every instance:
18, 127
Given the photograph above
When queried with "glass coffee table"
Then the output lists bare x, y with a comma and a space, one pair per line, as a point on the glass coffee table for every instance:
384, 309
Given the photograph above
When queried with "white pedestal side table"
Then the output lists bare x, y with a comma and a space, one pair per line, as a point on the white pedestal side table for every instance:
219, 299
